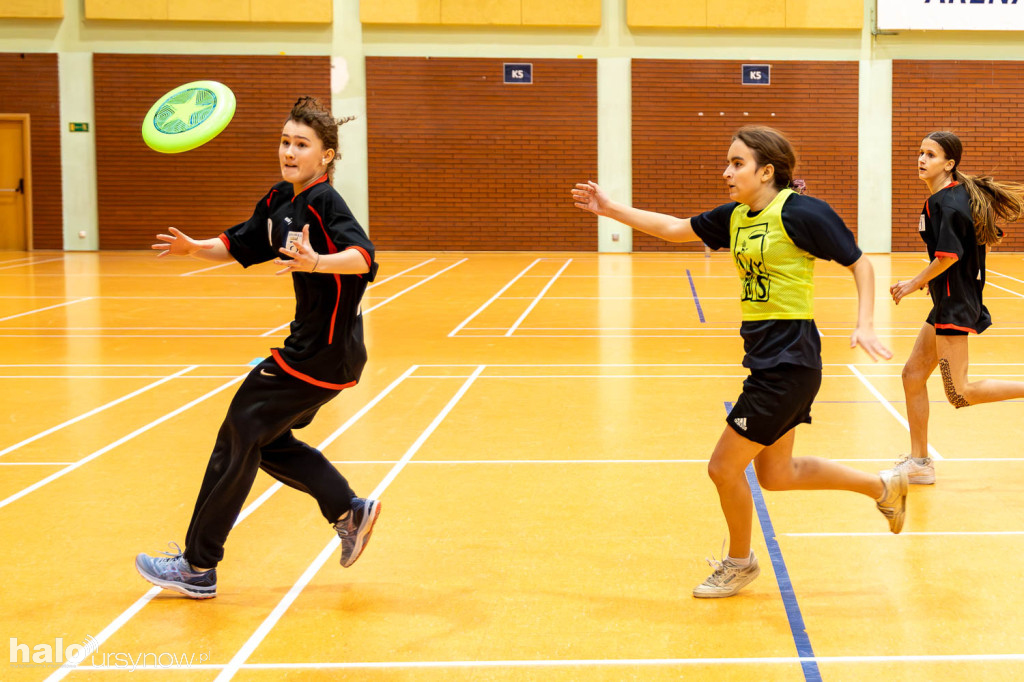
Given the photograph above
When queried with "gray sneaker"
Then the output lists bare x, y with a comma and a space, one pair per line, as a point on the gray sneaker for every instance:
173, 572
893, 502
355, 529
728, 578
919, 471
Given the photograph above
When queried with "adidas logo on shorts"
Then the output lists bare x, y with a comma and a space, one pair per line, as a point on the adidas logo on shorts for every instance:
740, 422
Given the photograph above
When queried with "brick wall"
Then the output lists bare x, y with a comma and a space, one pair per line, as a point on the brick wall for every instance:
977, 100
29, 84
460, 161
210, 188
679, 156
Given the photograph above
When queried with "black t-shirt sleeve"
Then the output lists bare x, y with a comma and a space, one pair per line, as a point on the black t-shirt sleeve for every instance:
251, 242
332, 216
948, 223
818, 230
713, 226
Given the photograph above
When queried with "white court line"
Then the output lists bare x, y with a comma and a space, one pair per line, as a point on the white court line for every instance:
418, 284
126, 615
212, 267
120, 441
95, 364
399, 274
916, 533
386, 300
94, 411
58, 335
585, 663
35, 262
492, 299
118, 622
588, 364
34, 464
892, 410
264, 629
638, 461
536, 300
49, 307
1004, 289
143, 329
999, 274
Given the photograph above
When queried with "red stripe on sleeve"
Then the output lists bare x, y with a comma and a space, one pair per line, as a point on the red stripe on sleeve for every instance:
227, 242
946, 254
365, 254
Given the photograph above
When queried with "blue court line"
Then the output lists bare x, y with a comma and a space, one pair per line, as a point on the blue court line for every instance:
700, 313
793, 614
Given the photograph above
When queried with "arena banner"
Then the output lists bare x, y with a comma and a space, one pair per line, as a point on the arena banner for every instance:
951, 15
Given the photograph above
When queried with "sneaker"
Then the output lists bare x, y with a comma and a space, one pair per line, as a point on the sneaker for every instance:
173, 572
728, 578
893, 502
919, 471
355, 529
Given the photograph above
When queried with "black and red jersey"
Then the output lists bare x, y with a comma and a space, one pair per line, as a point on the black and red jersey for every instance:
325, 346
947, 229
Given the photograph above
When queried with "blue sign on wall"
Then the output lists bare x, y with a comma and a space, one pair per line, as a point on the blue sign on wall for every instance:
757, 74
519, 74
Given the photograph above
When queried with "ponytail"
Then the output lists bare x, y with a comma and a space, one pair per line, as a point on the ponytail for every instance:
991, 200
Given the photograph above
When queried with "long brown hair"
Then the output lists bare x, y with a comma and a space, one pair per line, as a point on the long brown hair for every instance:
989, 199
770, 146
310, 111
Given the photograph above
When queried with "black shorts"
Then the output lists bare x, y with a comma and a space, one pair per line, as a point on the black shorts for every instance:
774, 401
956, 315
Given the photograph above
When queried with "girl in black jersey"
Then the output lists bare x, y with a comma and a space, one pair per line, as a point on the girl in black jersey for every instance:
774, 235
957, 226
303, 225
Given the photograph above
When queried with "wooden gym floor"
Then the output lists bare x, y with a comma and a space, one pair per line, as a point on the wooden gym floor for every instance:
537, 426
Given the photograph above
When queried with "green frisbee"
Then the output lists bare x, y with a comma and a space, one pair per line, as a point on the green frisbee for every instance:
188, 116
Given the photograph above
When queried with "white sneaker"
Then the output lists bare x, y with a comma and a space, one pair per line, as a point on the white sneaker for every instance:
728, 578
893, 502
919, 471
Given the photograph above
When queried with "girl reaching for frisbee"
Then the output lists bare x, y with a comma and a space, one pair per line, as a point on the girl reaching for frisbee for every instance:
774, 234
303, 225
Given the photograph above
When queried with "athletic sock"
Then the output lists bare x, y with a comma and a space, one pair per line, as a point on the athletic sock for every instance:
742, 563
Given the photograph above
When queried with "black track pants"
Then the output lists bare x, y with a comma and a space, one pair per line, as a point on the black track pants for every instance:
257, 434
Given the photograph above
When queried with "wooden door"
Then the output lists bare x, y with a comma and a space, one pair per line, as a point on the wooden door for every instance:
15, 207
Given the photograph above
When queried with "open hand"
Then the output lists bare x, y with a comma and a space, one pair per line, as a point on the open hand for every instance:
300, 259
590, 197
866, 339
177, 243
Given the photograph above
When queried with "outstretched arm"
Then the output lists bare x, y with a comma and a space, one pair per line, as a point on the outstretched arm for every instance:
864, 335
590, 197
920, 281
177, 243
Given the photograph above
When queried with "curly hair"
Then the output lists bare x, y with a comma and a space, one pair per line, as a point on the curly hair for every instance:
310, 111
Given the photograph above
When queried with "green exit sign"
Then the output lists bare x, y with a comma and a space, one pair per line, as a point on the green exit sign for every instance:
79, 127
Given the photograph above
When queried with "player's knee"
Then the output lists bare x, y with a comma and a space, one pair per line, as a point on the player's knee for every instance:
719, 473
914, 374
953, 395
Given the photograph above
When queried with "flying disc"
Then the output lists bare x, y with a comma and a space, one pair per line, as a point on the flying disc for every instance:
188, 116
